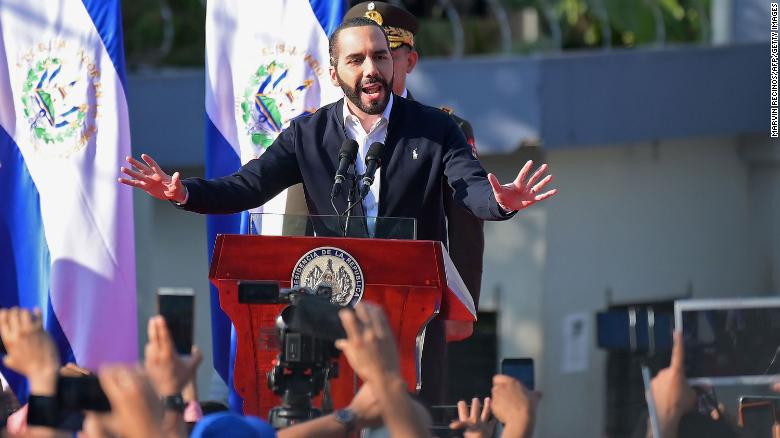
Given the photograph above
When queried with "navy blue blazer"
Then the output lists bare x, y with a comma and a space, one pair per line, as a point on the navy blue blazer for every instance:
423, 145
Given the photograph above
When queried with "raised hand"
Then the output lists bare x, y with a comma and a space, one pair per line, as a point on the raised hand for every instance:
671, 392
168, 371
475, 424
514, 406
522, 192
149, 177
370, 345
135, 408
31, 351
366, 408
100, 425
371, 352
70, 369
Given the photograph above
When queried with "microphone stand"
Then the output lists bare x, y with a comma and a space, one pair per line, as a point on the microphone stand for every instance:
351, 203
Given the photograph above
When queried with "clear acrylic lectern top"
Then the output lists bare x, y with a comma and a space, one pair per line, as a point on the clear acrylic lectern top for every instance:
274, 224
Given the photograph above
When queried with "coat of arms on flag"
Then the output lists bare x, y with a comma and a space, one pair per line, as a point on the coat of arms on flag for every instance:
60, 96
276, 93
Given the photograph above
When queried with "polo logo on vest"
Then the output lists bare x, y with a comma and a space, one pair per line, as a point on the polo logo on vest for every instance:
332, 267
59, 96
277, 92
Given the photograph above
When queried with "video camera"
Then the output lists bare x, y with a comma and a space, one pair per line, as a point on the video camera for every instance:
306, 329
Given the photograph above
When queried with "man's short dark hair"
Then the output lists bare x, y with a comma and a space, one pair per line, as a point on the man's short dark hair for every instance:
352, 22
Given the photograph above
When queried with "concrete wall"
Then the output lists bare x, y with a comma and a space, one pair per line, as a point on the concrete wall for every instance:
515, 256
588, 98
579, 99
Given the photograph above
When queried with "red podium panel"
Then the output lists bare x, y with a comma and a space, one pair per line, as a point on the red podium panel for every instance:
407, 278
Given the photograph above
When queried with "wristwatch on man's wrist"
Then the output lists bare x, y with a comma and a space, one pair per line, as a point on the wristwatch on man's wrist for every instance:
174, 403
346, 417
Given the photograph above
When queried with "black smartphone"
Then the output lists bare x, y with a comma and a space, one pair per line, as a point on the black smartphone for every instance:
757, 415
441, 417
444, 414
521, 369
177, 306
81, 393
317, 317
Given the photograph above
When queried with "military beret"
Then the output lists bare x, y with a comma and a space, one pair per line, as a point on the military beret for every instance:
398, 23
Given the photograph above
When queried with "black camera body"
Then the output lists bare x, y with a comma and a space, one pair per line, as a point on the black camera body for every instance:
306, 329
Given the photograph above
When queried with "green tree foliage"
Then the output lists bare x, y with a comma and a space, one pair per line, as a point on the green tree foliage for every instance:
632, 22
144, 28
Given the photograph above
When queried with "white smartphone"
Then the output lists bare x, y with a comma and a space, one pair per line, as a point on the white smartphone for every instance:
730, 341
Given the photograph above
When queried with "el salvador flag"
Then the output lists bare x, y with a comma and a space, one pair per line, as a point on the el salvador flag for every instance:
66, 225
266, 63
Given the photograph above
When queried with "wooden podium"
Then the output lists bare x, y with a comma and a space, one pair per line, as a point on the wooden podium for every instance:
412, 280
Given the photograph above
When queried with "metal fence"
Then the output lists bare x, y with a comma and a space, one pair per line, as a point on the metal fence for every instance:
171, 32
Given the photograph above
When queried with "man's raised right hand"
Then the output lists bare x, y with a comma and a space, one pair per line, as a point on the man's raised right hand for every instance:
370, 345
149, 177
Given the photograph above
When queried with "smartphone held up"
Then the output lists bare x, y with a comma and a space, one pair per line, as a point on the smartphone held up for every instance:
177, 306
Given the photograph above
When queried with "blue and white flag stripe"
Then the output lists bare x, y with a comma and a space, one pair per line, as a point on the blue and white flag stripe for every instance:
266, 63
107, 19
66, 225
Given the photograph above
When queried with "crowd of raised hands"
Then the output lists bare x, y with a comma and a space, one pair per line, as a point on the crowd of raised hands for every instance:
133, 391
142, 396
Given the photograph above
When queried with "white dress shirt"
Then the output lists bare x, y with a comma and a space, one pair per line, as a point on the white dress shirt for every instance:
377, 133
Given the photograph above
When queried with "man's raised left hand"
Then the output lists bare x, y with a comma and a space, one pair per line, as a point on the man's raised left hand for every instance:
523, 191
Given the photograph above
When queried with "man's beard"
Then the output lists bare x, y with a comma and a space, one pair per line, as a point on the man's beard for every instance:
354, 93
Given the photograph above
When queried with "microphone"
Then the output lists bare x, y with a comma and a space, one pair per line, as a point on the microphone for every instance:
372, 163
347, 155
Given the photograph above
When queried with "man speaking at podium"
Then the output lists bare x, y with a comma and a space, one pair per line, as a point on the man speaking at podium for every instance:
465, 233
420, 145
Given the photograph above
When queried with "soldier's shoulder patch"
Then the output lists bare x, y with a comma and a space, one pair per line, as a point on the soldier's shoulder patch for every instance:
447, 110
